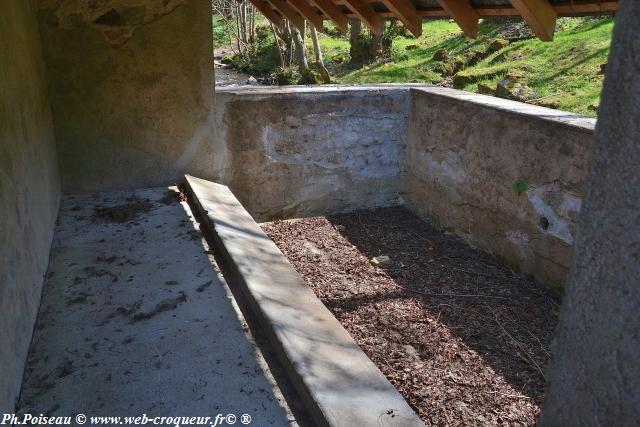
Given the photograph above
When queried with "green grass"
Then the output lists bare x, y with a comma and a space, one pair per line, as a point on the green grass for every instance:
564, 73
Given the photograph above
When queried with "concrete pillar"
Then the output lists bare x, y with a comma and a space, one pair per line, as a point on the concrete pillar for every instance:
595, 369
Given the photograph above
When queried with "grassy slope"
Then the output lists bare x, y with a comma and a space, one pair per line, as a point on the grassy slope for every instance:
564, 72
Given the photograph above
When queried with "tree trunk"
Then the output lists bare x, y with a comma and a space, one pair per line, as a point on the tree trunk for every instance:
355, 35
324, 73
376, 45
281, 54
301, 55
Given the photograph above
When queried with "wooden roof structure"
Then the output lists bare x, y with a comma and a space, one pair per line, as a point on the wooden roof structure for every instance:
540, 15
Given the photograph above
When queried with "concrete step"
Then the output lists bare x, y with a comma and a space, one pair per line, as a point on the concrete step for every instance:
338, 383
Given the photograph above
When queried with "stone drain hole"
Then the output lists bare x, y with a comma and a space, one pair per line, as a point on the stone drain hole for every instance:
543, 223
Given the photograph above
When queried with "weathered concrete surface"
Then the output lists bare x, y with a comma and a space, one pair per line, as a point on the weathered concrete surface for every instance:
301, 152
466, 153
451, 156
595, 369
339, 384
136, 318
131, 84
29, 189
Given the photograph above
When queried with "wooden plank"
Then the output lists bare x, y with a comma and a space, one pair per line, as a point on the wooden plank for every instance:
289, 13
405, 11
366, 14
332, 11
308, 11
268, 12
464, 14
540, 16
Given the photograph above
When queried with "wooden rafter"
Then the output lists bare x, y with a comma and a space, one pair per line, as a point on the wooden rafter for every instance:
367, 14
405, 11
540, 16
331, 10
265, 8
308, 11
465, 16
577, 9
289, 13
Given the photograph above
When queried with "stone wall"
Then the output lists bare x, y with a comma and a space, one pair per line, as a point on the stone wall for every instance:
131, 85
29, 189
509, 177
298, 152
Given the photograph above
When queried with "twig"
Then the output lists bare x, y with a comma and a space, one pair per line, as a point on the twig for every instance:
477, 273
517, 396
448, 295
519, 345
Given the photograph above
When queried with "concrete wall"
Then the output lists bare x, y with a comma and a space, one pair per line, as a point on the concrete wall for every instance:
296, 152
595, 368
452, 156
29, 189
464, 154
131, 84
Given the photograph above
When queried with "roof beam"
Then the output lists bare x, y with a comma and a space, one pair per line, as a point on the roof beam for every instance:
540, 15
289, 13
332, 11
268, 12
464, 14
308, 11
367, 14
406, 12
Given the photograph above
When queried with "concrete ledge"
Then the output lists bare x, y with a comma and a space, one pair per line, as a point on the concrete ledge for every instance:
338, 383
534, 112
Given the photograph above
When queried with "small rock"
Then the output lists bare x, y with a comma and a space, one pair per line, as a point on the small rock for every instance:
380, 260
462, 78
441, 55
487, 88
514, 87
412, 47
603, 68
252, 81
497, 44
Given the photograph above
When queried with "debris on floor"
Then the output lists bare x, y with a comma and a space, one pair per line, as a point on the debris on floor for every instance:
136, 319
380, 260
464, 339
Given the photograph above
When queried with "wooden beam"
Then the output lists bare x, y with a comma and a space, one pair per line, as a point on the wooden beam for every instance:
540, 16
405, 11
332, 11
308, 11
268, 12
576, 8
366, 14
289, 13
464, 14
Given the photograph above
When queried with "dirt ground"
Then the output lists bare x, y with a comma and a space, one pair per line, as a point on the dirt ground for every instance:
463, 338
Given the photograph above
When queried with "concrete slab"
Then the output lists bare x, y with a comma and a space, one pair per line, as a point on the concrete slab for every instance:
339, 384
136, 318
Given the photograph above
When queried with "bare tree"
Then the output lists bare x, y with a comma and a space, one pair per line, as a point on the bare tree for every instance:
301, 55
324, 73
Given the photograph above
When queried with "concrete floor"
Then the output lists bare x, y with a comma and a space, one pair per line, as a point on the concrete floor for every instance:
136, 318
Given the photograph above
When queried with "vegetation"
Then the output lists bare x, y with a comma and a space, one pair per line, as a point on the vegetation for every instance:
505, 60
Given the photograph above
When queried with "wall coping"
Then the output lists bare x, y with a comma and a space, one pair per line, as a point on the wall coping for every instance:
566, 118
574, 120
